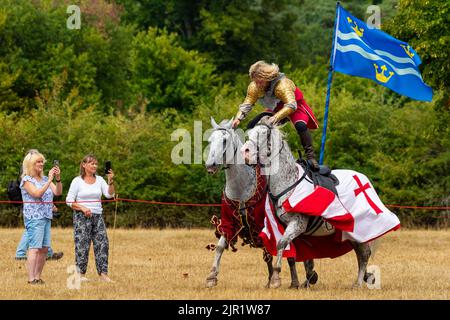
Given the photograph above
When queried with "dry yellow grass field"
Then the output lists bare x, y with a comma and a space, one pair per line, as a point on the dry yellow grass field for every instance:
173, 264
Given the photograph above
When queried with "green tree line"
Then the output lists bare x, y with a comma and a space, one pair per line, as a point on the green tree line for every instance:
136, 71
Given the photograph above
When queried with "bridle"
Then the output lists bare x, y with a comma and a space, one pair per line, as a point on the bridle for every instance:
269, 153
226, 146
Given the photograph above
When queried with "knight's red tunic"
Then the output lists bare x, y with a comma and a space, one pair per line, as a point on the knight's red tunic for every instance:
302, 113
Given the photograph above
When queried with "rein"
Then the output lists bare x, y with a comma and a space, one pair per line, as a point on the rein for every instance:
269, 153
274, 198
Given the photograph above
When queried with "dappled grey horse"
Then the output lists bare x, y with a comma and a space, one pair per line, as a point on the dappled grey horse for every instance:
265, 145
225, 145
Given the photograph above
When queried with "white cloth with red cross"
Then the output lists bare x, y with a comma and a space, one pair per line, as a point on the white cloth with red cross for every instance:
358, 211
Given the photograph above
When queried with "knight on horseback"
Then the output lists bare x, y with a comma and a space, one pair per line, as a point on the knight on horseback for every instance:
282, 100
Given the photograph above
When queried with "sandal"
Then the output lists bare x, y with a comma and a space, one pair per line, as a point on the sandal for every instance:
55, 256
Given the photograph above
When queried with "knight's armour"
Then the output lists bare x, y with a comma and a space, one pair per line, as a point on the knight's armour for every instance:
278, 90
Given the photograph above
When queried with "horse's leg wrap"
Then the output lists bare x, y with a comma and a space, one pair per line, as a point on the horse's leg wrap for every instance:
311, 275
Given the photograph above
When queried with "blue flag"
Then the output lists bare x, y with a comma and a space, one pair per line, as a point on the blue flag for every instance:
373, 54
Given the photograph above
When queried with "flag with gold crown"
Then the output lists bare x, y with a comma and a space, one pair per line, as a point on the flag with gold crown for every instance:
373, 54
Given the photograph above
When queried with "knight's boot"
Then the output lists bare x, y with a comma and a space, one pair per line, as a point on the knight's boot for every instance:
306, 140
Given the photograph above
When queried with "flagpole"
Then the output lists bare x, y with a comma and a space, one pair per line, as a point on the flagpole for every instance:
330, 79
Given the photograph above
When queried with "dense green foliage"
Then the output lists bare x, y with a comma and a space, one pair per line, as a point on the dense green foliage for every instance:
425, 25
138, 70
237, 33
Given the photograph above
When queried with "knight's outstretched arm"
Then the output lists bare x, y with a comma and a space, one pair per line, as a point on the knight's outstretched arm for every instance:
253, 93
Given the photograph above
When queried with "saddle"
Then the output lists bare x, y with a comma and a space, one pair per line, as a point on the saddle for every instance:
323, 177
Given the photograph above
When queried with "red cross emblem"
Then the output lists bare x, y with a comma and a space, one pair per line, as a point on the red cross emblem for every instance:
363, 188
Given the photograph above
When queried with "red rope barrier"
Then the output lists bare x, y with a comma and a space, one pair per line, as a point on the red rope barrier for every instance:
116, 200
172, 203
189, 204
416, 207
55, 202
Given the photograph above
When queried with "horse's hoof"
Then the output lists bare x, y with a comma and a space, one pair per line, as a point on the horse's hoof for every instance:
369, 278
306, 284
310, 280
211, 283
313, 279
294, 286
275, 283
357, 285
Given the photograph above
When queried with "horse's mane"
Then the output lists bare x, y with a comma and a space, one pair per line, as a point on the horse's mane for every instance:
272, 127
278, 132
234, 135
223, 123
281, 133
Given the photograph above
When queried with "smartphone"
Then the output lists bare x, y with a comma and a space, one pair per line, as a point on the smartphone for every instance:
56, 163
107, 166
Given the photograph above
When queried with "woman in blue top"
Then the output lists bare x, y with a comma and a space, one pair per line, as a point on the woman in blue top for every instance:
37, 194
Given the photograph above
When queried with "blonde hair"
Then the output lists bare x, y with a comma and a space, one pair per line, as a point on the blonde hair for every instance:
29, 162
263, 70
88, 158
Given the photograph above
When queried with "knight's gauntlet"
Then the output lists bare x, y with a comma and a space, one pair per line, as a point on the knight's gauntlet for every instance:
253, 93
283, 113
244, 109
240, 115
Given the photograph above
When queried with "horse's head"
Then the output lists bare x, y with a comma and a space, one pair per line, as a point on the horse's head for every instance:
223, 145
263, 145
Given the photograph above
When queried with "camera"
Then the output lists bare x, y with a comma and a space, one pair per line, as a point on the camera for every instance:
56, 213
107, 167
56, 163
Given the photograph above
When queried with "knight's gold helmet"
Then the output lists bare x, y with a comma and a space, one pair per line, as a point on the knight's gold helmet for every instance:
264, 70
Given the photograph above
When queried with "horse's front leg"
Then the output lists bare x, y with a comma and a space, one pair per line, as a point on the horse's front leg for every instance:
211, 280
363, 252
295, 227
